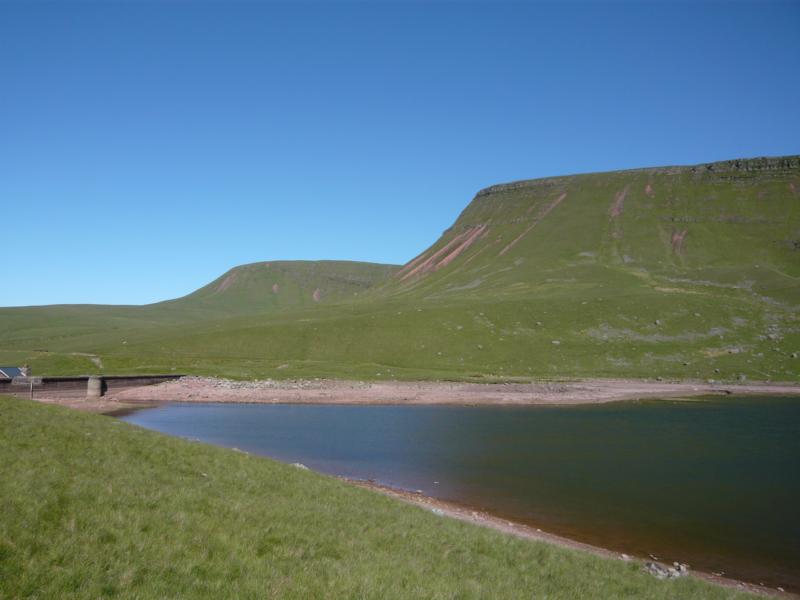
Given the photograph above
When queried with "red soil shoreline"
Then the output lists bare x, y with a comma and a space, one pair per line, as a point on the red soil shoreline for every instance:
471, 515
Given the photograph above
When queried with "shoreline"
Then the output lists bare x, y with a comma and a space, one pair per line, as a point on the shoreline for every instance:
336, 392
475, 516
464, 512
589, 391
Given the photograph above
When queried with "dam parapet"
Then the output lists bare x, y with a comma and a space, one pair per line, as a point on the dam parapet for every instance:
88, 386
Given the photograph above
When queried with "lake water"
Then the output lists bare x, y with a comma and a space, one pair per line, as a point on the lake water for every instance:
712, 483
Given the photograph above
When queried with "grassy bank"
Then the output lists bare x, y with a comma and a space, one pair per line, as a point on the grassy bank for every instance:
93, 507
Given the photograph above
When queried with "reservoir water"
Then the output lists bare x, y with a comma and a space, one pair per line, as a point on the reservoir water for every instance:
712, 483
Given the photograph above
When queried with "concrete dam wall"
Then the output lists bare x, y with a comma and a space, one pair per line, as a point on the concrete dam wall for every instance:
87, 385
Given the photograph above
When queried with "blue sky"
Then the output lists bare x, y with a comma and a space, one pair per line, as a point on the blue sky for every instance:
147, 147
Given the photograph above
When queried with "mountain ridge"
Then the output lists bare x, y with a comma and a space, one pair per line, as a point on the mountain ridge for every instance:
753, 164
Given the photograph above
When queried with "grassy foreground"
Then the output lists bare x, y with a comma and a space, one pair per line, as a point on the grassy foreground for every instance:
92, 507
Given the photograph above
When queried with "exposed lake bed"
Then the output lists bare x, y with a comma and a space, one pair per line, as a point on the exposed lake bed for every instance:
477, 393
712, 483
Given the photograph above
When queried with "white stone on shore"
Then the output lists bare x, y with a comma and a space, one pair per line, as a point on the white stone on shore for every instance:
661, 572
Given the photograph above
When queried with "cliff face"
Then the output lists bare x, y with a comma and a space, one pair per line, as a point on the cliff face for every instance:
788, 164
772, 163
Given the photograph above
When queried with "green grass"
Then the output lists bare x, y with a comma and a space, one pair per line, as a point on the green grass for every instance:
91, 507
695, 274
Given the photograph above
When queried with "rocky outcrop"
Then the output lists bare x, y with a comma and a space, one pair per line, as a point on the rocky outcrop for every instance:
742, 165
764, 163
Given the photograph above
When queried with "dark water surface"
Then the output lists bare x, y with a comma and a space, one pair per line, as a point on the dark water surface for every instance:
713, 483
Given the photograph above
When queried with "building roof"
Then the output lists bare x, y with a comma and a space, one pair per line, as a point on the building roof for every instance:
10, 372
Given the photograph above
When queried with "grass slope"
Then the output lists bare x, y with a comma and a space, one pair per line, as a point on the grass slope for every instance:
678, 272
61, 339
91, 507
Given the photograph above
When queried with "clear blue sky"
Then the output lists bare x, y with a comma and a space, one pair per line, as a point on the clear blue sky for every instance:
145, 148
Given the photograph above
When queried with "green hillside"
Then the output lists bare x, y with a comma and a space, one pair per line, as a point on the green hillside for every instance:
283, 285
674, 272
735, 223
62, 339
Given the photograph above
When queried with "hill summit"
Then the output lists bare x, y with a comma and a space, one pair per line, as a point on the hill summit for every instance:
281, 285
